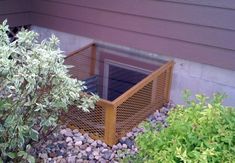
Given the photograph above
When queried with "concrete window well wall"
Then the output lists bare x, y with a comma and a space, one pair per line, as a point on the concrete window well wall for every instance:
197, 77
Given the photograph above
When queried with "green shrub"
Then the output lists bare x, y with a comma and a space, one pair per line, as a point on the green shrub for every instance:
35, 88
201, 131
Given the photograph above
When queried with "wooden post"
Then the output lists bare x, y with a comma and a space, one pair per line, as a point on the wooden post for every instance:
110, 125
93, 60
169, 74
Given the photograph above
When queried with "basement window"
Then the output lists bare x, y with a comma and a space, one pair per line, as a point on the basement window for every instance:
120, 78
131, 87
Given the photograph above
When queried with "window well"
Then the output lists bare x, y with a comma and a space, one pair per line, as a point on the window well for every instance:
130, 86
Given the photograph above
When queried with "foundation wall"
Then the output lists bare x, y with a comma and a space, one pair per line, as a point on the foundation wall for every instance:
199, 78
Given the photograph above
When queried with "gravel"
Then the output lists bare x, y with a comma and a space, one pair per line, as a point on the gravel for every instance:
71, 146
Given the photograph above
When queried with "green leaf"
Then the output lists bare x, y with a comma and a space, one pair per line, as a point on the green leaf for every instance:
34, 134
21, 139
12, 155
22, 154
4, 23
30, 159
2, 103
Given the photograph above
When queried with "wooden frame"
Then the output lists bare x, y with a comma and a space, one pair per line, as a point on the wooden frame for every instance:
108, 113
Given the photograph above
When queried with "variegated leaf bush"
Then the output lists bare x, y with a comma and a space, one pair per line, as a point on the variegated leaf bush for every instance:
35, 88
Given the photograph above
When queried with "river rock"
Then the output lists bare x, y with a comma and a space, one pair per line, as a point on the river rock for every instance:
95, 153
66, 145
69, 139
83, 147
94, 143
71, 159
43, 155
107, 154
78, 143
68, 132
88, 149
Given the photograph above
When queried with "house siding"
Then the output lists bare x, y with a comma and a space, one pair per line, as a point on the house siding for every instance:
196, 30
17, 12
199, 31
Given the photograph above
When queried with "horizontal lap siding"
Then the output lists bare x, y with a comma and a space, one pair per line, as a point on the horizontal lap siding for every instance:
196, 30
144, 25
158, 9
16, 19
17, 12
198, 53
227, 4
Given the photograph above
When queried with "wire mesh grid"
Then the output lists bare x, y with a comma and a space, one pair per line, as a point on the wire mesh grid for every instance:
110, 120
81, 64
161, 89
87, 122
133, 110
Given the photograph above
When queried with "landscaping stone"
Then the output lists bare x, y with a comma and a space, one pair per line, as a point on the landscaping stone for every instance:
69, 139
71, 146
99, 142
61, 160
71, 159
95, 153
107, 155
63, 131
68, 132
78, 143
52, 155
124, 146
43, 155
129, 134
83, 147
88, 149
94, 144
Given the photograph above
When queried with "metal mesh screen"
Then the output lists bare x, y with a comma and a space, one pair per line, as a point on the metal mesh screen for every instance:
133, 110
87, 122
110, 120
81, 64
161, 84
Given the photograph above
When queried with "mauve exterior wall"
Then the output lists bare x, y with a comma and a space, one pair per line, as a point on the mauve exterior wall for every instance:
17, 12
197, 30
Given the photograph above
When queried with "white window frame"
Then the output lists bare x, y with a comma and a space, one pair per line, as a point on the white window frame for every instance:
108, 63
